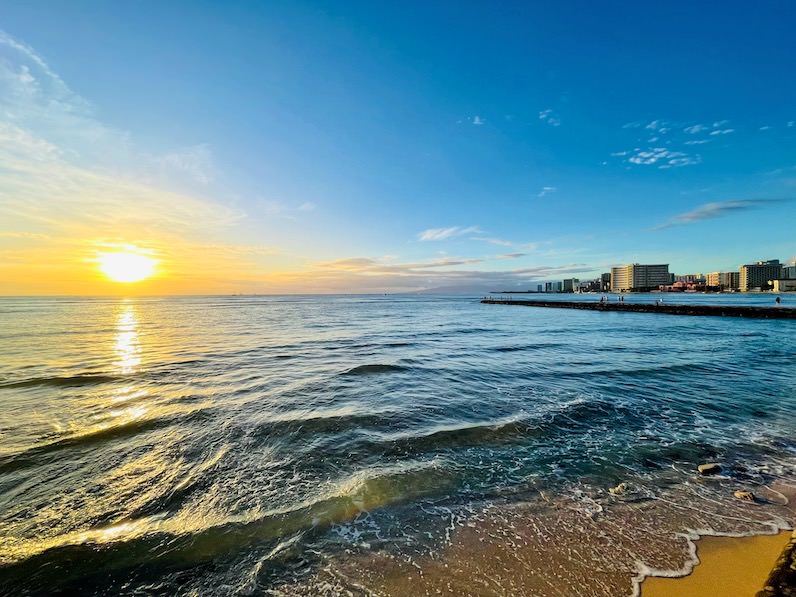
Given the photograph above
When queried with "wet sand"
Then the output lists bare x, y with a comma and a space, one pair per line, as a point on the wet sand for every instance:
729, 567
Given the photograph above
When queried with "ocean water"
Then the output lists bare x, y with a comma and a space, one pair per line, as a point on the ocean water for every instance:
380, 445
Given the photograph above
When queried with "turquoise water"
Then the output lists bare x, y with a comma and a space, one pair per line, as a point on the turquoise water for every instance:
379, 445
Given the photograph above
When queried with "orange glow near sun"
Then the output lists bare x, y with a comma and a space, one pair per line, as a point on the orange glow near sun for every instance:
126, 266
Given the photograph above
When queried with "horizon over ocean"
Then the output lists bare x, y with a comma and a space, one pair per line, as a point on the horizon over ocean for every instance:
399, 444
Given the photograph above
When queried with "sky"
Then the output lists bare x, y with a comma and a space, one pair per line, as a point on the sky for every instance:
291, 147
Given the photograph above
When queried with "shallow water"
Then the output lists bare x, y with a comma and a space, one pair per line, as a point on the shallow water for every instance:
379, 445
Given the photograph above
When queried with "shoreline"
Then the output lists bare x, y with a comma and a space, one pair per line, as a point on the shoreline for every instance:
726, 565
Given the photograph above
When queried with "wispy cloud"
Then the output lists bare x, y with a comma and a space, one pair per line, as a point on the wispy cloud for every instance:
665, 158
450, 272
478, 121
717, 209
546, 191
493, 241
697, 141
722, 132
549, 117
434, 234
696, 128
196, 161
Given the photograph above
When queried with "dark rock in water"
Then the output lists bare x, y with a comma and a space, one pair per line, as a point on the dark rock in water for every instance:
782, 580
710, 468
746, 496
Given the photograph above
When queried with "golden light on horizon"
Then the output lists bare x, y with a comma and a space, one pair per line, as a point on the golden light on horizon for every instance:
126, 266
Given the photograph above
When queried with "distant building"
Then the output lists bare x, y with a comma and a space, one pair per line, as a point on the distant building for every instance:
723, 280
637, 277
605, 282
758, 275
696, 278
788, 272
552, 286
785, 285
539, 288
570, 285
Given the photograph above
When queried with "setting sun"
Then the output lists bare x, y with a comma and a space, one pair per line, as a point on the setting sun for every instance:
126, 266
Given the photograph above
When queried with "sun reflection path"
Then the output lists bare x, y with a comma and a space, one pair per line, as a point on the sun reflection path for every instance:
128, 347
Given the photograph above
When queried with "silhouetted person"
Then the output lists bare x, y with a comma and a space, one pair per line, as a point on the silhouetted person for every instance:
778, 301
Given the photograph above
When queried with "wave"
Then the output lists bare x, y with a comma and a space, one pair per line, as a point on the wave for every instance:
30, 456
74, 380
375, 369
103, 556
528, 347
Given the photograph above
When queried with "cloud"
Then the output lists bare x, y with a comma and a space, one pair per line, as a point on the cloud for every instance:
722, 132
196, 161
478, 121
549, 117
665, 158
765, 128
493, 241
659, 126
365, 274
697, 141
716, 210
433, 234
307, 206
696, 128
546, 191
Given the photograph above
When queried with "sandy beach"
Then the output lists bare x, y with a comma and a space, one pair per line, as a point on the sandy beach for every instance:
729, 567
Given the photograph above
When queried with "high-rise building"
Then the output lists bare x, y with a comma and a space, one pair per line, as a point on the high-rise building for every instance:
723, 280
570, 285
759, 274
639, 277
696, 278
605, 281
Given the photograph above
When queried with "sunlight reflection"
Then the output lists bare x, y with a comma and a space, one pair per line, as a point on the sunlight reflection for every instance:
128, 347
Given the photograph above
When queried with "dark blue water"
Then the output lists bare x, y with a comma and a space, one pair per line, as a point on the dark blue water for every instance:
380, 445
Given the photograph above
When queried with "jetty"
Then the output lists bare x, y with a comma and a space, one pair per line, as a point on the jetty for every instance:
776, 312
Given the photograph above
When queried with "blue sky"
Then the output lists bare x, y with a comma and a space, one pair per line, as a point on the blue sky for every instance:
397, 146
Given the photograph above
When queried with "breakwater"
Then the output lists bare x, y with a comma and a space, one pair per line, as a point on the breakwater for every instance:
669, 309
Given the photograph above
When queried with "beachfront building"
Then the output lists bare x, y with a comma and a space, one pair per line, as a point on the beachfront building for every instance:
690, 278
605, 282
552, 286
723, 280
570, 285
636, 277
784, 285
756, 276
788, 272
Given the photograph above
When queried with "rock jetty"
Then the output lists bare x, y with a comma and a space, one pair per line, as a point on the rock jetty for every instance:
774, 312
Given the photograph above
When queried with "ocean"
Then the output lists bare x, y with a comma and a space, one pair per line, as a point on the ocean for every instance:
381, 445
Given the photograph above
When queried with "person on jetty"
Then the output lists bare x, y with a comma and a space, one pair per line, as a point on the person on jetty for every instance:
778, 301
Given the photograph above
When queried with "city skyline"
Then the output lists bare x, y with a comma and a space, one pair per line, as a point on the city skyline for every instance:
299, 147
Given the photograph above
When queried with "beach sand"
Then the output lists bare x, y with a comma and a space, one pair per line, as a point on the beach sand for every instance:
729, 567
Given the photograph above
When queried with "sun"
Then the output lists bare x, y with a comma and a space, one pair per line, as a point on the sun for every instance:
126, 266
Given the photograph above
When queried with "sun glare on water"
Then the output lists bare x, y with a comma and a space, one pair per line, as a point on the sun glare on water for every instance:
126, 266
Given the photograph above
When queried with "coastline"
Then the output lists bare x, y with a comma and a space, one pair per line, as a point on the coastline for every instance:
726, 566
